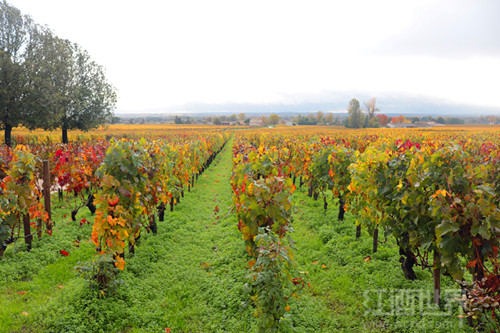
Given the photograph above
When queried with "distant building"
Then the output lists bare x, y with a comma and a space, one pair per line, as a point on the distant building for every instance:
422, 124
401, 125
257, 122
229, 123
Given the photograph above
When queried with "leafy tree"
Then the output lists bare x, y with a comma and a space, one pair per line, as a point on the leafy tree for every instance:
274, 119
14, 30
48, 66
264, 120
177, 120
329, 119
371, 123
309, 120
47, 82
356, 117
400, 119
456, 120
440, 120
217, 121
92, 100
241, 117
382, 119
320, 117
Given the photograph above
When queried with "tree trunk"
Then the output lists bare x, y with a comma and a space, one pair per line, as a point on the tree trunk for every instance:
407, 261
153, 226
172, 204
315, 194
131, 247
64, 134
90, 204
358, 231
341, 208
73, 214
8, 135
325, 204
27, 231
437, 277
161, 212
479, 269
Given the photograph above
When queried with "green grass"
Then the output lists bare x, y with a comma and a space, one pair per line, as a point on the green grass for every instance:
190, 276
345, 290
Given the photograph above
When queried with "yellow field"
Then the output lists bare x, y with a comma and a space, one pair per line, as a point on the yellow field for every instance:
25, 136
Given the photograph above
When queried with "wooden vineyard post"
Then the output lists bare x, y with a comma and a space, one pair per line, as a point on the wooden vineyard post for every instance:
46, 191
437, 277
375, 240
27, 231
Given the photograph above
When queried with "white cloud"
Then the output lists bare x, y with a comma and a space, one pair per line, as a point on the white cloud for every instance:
165, 53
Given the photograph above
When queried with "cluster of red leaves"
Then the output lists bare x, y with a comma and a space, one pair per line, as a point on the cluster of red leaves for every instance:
404, 145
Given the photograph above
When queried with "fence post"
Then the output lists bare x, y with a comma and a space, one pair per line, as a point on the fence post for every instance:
27, 230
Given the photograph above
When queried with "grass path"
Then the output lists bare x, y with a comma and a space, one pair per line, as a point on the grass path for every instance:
190, 275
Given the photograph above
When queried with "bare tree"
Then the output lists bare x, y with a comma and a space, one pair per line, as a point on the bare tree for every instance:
370, 108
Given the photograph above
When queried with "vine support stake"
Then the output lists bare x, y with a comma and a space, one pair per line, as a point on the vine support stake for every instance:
375, 240
46, 192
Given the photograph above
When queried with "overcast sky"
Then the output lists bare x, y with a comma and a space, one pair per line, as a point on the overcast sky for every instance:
167, 55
